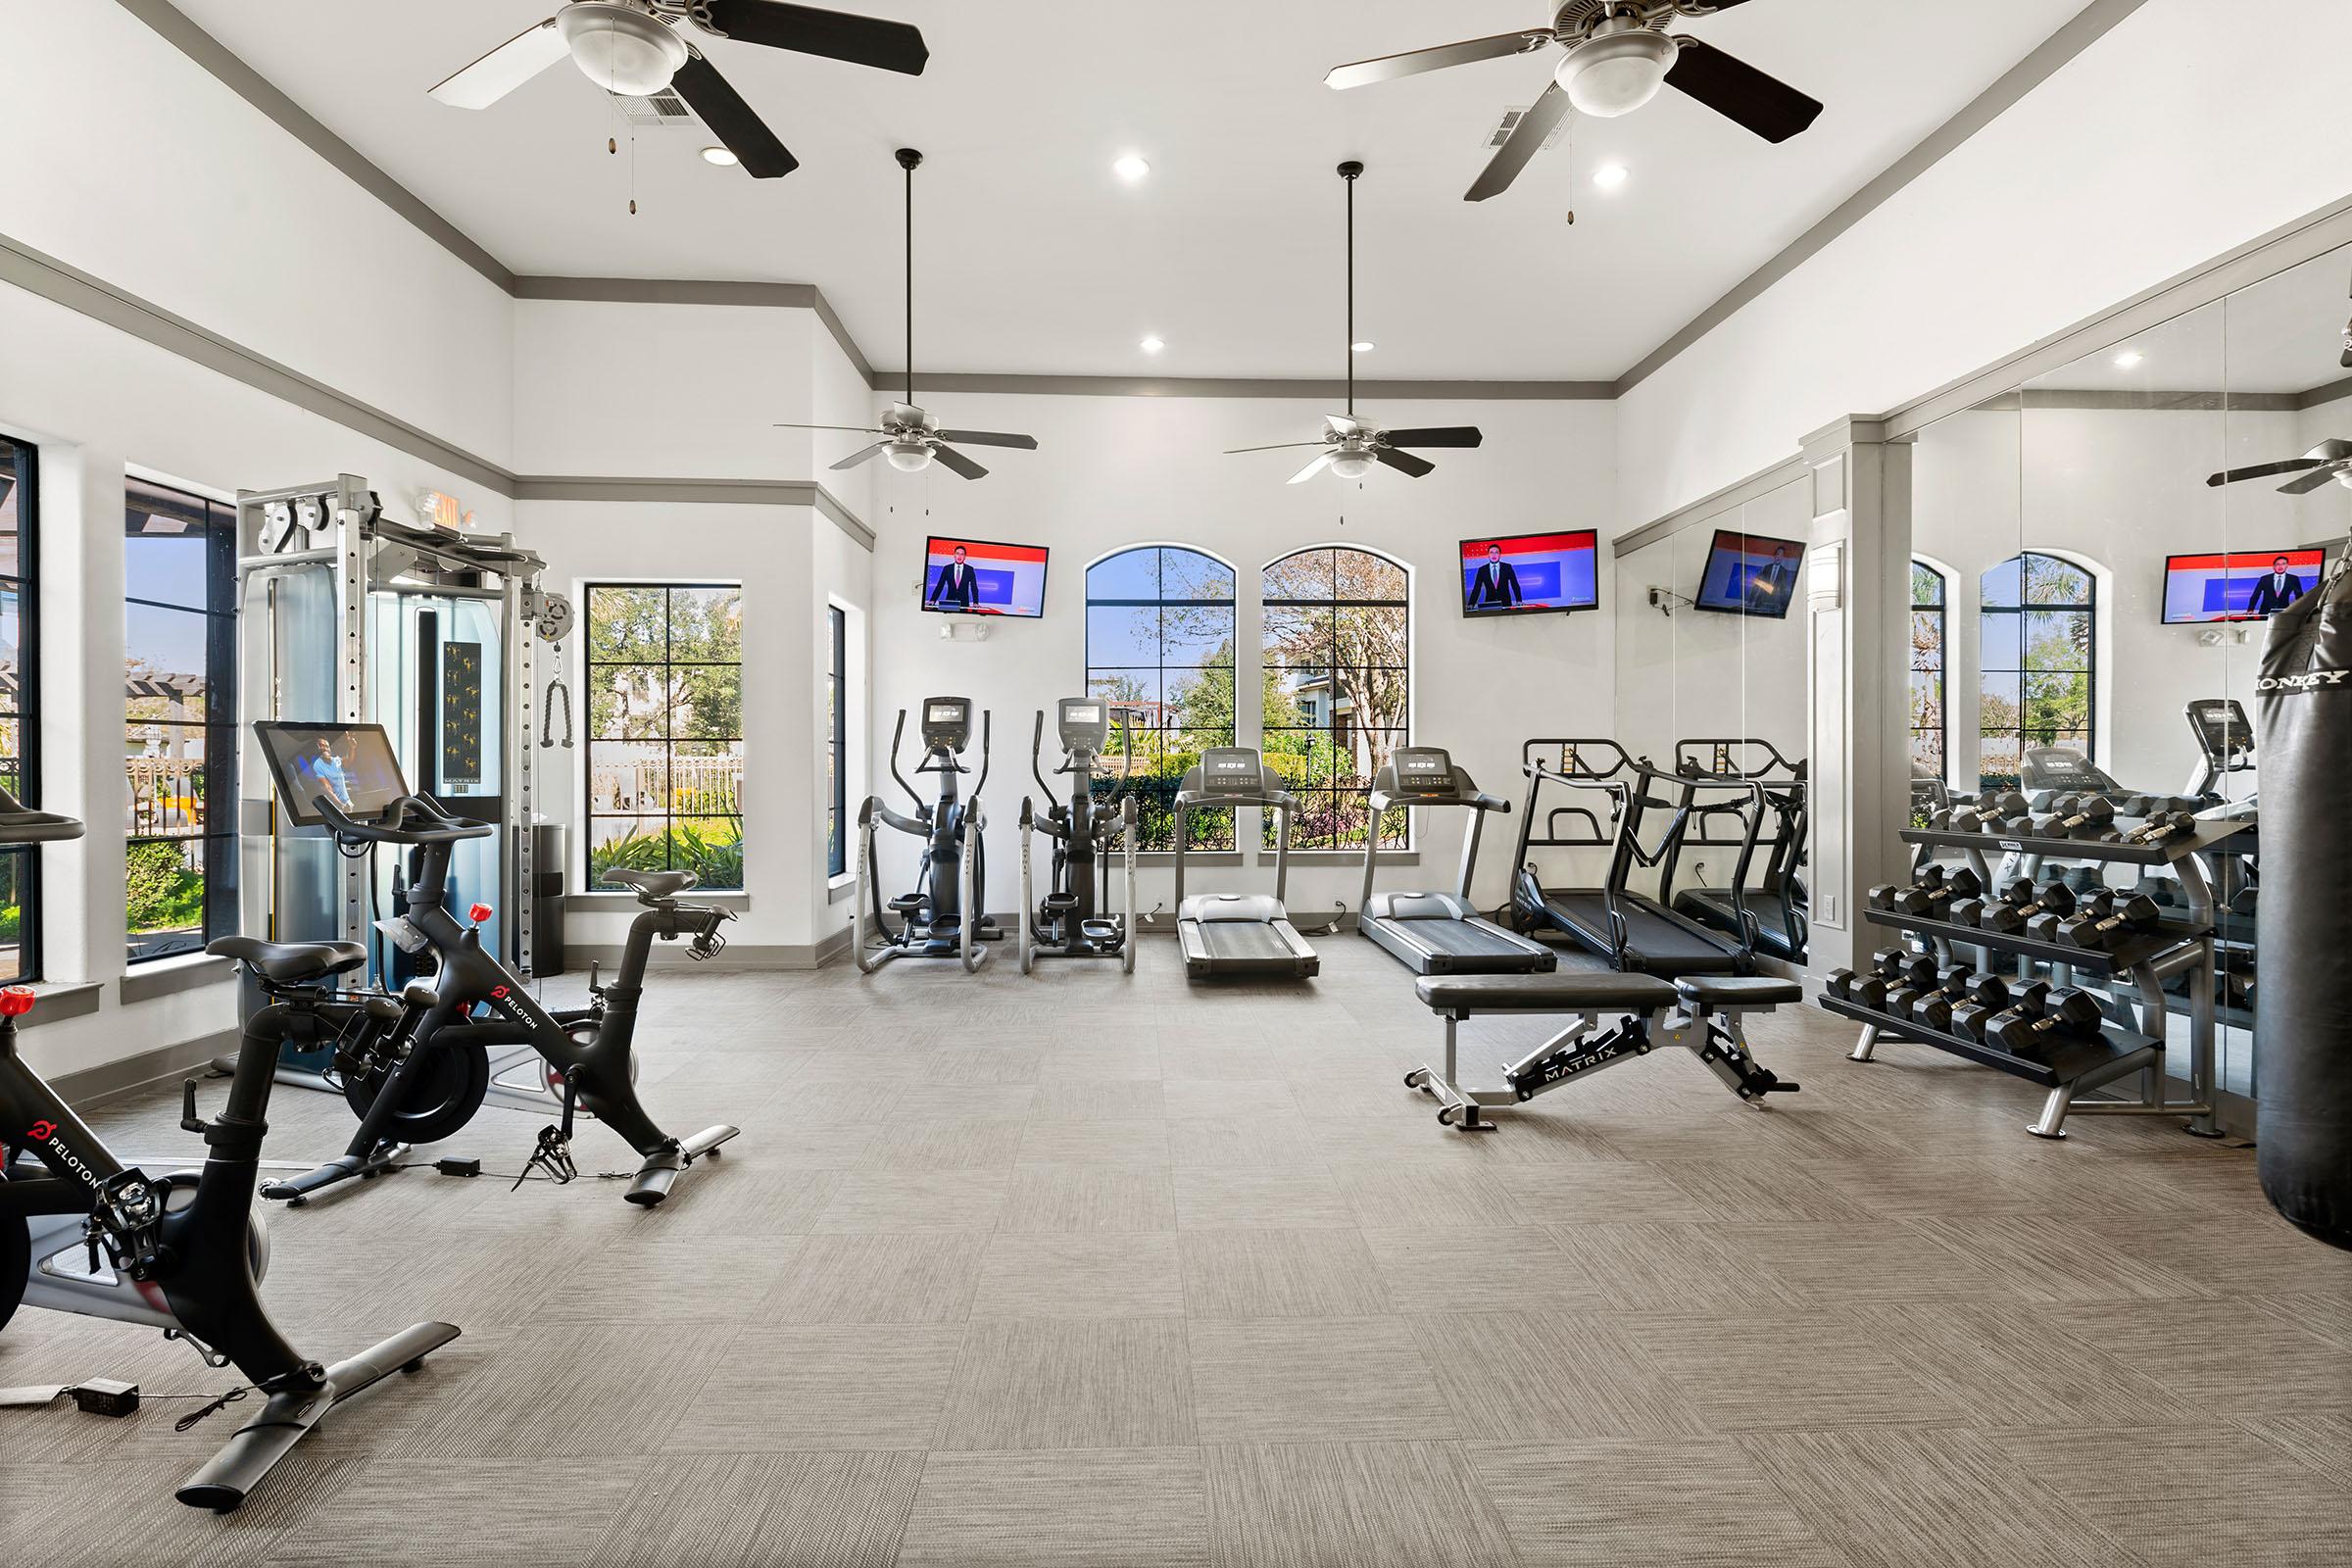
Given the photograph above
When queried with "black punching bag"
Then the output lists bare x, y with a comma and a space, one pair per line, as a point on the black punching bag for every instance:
2303, 1026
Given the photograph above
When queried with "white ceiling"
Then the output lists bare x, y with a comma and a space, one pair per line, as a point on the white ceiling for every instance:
2283, 334
1031, 257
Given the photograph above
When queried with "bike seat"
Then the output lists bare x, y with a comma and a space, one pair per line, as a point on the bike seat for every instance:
291, 962
653, 886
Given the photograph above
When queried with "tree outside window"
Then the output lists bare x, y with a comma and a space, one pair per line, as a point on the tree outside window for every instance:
665, 691
1159, 652
1337, 657
2036, 651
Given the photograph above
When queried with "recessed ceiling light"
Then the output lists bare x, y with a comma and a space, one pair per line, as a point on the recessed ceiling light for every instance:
719, 156
2128, 358
1130, 169
1361, 348
1151, 345
1608, 177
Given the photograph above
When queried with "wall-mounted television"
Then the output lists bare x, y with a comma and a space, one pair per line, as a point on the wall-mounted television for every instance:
1750, 575
2241, 585
1530, 573
982, 578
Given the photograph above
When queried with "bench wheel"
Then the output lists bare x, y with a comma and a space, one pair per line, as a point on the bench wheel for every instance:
1416, 1078
1448, 1116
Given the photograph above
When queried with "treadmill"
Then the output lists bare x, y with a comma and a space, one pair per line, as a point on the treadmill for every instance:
1773, 907
1633, 931
1440, 933
1237, 934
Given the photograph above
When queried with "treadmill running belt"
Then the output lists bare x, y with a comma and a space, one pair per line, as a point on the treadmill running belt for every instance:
1653, 942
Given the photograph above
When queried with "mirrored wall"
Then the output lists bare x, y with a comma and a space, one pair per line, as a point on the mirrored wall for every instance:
2089, 599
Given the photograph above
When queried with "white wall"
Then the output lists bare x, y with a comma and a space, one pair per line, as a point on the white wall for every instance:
2174, 137
96, 401
133, 162
1117, 471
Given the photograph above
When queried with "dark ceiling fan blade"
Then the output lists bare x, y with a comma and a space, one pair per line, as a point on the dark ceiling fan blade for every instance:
1440, 435
1322, 461
855, 458
503, 69
1387, 68
731, 120
1740, 92
2263, 470
1403, 463
835, 34
957, 462
2324, 474
1527, 138
1279, 446
989, 438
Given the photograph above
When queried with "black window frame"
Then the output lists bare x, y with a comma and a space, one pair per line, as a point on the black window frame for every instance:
1310, 791
1942, 610
590, 664
2025, 606
837, 802
22, 461
1208, 830
216, 845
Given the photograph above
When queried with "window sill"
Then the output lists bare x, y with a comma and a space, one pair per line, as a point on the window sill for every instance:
167, 977
841, 887
1192, 857
57, 1000
1354, 857
617, 902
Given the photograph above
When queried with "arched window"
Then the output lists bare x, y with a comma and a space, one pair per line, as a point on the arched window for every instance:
2036, 650
1337, 686
1930, 657
1160, 650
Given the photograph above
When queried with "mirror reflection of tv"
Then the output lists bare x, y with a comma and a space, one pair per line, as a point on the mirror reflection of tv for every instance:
981, 577
2239, 586
1750, 575
351, 764
1530, 574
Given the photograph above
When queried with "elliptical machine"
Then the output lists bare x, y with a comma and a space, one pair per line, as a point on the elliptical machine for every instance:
1070, 922
184, 1252
932, 919
472, 1002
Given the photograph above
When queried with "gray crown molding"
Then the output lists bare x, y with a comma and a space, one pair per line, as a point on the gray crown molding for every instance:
696, 492
1739, 493
251, 85
2324, 394
2085, 28
2078, 35
2111, 399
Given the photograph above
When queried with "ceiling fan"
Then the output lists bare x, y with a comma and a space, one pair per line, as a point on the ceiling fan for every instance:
637, 47
1618, 56
911, 438
2329, 460
1352, 446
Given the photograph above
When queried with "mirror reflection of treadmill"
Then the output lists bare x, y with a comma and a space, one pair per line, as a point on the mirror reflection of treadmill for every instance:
1440, 933
1774, 899
1237, 934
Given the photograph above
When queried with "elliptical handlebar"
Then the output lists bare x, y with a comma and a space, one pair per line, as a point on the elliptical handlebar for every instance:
1037, 759
897, 734
394, 828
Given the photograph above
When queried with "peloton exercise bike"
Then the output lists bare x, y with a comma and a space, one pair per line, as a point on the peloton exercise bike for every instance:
472, 1008
184, 1252
932, 921
1071, 921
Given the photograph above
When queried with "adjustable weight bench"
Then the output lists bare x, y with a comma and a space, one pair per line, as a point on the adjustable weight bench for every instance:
1704, 1020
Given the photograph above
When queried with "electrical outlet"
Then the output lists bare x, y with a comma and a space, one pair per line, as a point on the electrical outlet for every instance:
1829, 908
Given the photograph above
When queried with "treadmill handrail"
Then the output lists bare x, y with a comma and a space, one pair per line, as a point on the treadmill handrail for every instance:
1628, 849
1531, 765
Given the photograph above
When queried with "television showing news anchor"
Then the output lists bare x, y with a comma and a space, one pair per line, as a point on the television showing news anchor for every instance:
1529, 574
983, 577
2241, 585
1749, 575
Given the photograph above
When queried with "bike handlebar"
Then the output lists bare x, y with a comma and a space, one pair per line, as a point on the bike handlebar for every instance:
393, 828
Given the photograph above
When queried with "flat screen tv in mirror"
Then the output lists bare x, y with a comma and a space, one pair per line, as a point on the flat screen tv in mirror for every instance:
1530, 574
2241, 585
350, 765
1750, 575
980, 577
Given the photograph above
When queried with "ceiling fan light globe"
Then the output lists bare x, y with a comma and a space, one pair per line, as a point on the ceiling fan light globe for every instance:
1351, 464
1615, 74
620, 48
907, 455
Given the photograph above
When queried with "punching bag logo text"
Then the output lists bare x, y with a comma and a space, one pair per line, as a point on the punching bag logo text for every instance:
2317, 680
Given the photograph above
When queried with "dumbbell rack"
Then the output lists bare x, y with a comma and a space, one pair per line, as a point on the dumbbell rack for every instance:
2137, 966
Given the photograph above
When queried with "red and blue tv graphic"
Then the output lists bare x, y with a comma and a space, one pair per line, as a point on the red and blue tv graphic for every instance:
980, 577
2242, 585
1529, 571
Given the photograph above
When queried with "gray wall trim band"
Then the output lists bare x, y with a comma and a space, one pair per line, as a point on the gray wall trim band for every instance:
109, 1080
674, 955
1145, 386
702, 291
255, 88
2086, 27
149, 981
2105, 399
2326, 393
1713, 504
836, 946
709, 492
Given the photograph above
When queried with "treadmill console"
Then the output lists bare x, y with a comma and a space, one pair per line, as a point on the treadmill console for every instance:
1421, 770
947, 723
1232, 770
2222, 733
1085, 725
